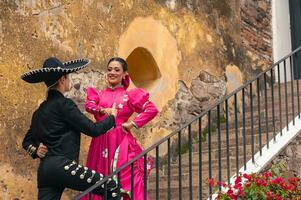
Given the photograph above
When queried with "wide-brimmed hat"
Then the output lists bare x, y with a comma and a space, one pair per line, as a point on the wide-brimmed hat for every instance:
53, 69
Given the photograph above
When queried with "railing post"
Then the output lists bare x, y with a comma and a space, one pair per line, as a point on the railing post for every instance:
157, 172
209, 151
273, 104
252, 128
145, 177
168, 169
227, 140
133, 181
190, 161
292, 90
105, 195
297, 80
219, 146
285, 91
259, 115
279, 99
200, 160
266, 109
236, 133
119, 185
180, 165
244, 128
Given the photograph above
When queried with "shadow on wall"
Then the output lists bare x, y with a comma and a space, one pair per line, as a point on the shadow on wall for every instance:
143, 69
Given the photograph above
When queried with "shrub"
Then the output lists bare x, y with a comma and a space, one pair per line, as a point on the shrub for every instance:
262, 186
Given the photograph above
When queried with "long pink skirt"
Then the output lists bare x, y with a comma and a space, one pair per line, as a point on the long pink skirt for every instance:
113, 149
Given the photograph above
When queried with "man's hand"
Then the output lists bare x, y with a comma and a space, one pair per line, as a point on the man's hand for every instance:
42, 150
111, 111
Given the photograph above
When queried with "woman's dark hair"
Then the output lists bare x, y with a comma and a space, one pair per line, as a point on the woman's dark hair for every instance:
121, 61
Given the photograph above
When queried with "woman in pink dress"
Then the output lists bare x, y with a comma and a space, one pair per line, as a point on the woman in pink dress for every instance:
110, 151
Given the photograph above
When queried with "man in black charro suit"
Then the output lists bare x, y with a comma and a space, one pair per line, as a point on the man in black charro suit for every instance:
54, 134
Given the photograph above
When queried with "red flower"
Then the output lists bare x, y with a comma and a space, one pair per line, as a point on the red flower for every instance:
260, 186
277, 180
247, 176
237, 180
266, 175
211, 182
230, 192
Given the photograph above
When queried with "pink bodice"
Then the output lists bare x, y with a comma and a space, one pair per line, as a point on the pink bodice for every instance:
127, 102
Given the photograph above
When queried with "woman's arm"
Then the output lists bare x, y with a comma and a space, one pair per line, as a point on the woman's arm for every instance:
148, 112
140, 103
92, 101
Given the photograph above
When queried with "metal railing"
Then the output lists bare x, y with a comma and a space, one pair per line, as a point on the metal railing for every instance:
220, 140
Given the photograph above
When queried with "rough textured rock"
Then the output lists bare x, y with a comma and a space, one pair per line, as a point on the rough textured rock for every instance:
256, 30
198, 35
205, 90
289, 159
234, 80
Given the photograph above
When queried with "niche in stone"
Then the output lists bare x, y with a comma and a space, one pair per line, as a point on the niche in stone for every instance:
143, 69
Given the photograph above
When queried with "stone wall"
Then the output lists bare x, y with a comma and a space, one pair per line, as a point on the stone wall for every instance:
256, 31
197, 45
288, 162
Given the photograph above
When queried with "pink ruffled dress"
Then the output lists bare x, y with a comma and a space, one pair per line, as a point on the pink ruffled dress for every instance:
110, 151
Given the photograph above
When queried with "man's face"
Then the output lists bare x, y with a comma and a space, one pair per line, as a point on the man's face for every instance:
67, 85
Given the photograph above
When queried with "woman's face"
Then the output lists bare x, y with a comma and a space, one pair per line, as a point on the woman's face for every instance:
115, 73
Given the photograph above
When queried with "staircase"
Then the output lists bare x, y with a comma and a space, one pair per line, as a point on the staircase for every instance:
225, 138
226, 172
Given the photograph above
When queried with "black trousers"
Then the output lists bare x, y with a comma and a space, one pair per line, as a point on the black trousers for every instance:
56, 173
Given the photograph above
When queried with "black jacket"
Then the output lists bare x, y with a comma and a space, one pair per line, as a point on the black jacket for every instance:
57, 123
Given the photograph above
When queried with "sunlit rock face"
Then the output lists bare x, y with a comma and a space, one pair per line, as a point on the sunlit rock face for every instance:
180, 51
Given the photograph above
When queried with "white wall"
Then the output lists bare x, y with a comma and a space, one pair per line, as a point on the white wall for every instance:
281, 34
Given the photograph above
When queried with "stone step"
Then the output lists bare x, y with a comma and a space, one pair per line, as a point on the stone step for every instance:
174, 168
232, 138
269, 109
247, 129
174, 175
255, 118
269, 102
214, 156
223, 141
174, 193
174, 180
275, 88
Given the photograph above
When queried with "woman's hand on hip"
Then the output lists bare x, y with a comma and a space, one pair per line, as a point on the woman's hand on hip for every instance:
127, 126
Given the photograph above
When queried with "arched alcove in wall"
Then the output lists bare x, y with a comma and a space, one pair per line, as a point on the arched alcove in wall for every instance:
153, 57
143, 68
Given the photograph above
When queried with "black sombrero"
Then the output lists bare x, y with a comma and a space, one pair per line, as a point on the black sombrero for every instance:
53, 69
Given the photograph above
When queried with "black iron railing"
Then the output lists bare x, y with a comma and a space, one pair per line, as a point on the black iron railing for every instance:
220, 140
